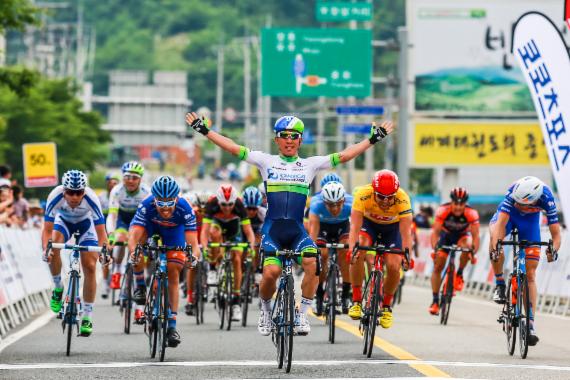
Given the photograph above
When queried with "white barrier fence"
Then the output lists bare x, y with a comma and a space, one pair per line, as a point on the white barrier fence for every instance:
553, 279
25, 280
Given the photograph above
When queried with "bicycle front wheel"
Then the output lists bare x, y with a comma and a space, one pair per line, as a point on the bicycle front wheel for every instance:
363, 325
163, 307
70, 317
524, 315
127, 298
246, 292
151, 320
331, 301
509, 324
278, 332
289, 313
447, 295
374, 303
221, 299
198, 292
228, 296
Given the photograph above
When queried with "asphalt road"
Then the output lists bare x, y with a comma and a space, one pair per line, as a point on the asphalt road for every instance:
471, 346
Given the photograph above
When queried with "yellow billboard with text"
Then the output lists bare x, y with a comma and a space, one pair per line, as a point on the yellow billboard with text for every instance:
449, 143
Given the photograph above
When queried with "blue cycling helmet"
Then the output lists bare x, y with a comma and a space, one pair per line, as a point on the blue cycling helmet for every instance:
74, 180
165, 187
289, 123
330, 177
252, 197
133, 167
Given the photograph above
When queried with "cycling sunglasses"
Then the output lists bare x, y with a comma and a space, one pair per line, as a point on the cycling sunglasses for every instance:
252, 208
333, 204
165, 204
226, 204
289, 135
383, 197
76, 193
131, 177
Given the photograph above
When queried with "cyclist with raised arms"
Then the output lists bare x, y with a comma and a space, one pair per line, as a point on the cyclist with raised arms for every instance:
287, 179
455, 223
172, 218
111, 180
123, 203
381, 214
521, 209
224, 218
329, 222
74, 207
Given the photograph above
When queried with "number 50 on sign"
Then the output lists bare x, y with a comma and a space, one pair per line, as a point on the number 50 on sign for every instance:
40, 164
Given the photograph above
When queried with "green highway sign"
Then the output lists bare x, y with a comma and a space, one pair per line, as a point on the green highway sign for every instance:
343, 11
316, 62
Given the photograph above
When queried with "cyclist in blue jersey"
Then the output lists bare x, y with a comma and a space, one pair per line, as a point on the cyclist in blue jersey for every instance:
287, 179
171, 217
329, 222
74, 207
521, 209
329, 177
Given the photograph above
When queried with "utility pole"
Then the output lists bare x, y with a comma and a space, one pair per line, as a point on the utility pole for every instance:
247, 87
404, 115
219, 99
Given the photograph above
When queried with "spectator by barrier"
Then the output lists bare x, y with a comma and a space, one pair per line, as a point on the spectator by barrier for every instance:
25, 281
553, 279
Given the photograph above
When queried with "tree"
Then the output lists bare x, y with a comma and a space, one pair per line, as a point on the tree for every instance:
17, 14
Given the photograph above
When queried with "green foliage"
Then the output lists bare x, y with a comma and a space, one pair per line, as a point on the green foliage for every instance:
16, 14
50, 112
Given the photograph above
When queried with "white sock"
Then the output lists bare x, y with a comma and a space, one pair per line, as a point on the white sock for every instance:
87, 309
305, 305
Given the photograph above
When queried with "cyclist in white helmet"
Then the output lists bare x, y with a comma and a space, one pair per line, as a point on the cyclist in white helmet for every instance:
329, 222
521, 209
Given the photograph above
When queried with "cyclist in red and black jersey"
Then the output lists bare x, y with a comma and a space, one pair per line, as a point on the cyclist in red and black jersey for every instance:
224, 218
455, 223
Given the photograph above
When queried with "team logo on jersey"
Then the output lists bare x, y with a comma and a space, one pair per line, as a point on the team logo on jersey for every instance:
271, 174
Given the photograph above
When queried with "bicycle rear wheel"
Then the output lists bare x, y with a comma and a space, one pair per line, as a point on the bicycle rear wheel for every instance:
70, 316
246, 292
447, 295
289, 314
126, 295
509, 325
331, 301
373, 320
163, 308
524, 315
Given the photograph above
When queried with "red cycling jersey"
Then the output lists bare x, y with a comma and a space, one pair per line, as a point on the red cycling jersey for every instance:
456, 224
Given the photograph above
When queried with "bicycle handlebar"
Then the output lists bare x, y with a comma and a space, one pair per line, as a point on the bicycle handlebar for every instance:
75, 247
332, 245
228, 244
454, 248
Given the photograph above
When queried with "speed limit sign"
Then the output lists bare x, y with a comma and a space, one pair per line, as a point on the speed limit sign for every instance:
40, 164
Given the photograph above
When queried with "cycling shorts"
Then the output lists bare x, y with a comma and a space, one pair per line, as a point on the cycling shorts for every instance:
528, 226
282, 234
333, 232
86, 229
386, 234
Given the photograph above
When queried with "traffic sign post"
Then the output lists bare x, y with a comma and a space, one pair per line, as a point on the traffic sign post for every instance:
40, 164
342, 11
316, 62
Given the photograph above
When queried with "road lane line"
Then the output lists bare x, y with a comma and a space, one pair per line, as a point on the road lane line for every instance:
272, 363
395, 351
37, 323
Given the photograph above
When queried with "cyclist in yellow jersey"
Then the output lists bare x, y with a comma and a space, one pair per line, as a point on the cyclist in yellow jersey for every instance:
381, 214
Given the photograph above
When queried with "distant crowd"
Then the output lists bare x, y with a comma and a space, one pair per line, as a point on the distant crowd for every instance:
15, 209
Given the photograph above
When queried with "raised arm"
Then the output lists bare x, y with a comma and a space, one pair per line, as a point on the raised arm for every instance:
223, 142
376, 134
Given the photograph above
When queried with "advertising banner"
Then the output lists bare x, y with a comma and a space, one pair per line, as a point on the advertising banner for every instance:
460, 57
456, 143
544, 60
40, 164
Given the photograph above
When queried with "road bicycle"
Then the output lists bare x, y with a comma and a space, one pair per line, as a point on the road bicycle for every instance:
448, 280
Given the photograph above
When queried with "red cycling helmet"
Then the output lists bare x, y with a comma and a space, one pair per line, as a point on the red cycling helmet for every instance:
385, 182
459, 195
226, 193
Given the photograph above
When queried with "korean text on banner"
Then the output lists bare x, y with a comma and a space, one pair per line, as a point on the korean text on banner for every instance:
478, 143
543, 57
40, 164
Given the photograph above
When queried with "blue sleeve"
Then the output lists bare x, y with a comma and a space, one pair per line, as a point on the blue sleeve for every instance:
140, 218
98, 217
547, 203
314, 205
188, 215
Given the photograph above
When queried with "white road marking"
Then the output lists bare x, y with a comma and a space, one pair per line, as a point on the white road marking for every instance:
271, 363
37, 323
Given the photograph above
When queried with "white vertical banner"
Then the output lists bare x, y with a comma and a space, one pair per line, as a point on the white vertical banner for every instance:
543, 58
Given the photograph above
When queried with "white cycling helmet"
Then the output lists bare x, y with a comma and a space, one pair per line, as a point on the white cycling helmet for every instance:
527, 190
333, 192
201, 198
226, 193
